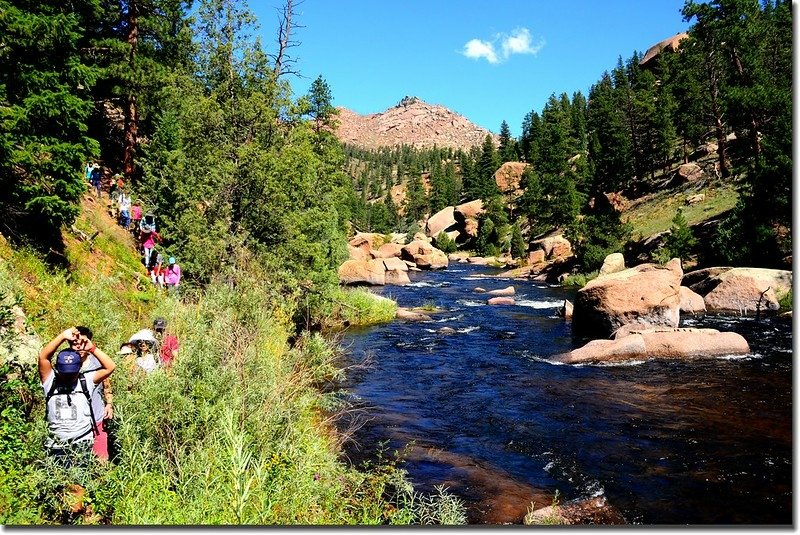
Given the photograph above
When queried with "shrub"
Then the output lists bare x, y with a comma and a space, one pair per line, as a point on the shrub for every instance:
445, 243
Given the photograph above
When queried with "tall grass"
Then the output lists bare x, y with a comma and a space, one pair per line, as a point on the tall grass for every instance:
237, 431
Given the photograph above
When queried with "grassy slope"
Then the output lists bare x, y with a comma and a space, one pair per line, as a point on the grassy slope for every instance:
653, 214
236, 432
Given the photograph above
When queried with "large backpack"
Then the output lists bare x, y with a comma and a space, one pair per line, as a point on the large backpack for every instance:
79, 388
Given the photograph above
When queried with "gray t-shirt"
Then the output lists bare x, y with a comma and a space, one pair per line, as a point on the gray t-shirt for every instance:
69, 420
98, 405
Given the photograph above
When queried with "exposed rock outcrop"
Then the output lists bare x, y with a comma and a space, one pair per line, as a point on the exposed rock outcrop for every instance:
501, 301
647, 293
740, 290
411, 122
508, 178
363, 272
677, 343
441, 221
613, 263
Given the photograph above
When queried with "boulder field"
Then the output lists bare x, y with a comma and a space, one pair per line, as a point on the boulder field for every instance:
634, 313
376, 262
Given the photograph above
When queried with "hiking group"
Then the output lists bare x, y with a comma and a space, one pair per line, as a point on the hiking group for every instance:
78, 396
142, 226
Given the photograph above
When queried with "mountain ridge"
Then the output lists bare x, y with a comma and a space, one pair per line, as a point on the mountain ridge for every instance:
411, 121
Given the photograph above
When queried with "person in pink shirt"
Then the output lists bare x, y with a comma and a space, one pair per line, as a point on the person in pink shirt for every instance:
148, 244
172, 277
136, 214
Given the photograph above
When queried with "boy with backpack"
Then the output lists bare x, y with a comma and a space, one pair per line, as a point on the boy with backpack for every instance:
68, 396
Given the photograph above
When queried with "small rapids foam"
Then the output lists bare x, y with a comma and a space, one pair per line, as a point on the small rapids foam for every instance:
425, 284
468, 303
539, 304
469, 329
452, 318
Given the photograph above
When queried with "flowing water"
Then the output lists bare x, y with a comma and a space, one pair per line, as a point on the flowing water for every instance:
482, 411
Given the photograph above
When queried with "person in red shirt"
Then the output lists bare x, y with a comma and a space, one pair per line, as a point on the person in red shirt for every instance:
167, 343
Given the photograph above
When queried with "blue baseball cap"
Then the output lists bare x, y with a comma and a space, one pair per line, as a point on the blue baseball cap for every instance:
171, 259
68, 361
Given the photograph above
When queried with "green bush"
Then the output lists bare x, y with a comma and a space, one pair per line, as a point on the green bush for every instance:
445, 243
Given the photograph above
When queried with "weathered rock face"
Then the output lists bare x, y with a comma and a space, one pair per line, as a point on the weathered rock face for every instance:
468, 210
689, 172
435, 260
411, 122
509, 290
554, 247
388, 250
643, 294
566, 310
691, 302
740, 290
18, 345
536, 257
508, 178
741, 295
501, 301
397, 277
670, 43
362, 272
659, 343
441, 221
424, 255
613, 263
395, 264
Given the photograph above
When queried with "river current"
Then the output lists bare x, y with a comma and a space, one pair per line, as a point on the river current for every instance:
482, 411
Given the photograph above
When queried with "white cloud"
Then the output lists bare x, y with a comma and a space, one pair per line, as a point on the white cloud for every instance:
518, 42
477, 49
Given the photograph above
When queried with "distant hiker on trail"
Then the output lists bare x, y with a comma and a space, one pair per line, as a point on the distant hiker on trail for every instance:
68, 393
167, 343
172, 277
148, 239
90, 166
136, 213
124, 209
97, 180
157, 269
102, 396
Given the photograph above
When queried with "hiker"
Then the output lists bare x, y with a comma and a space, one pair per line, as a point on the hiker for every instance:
172, 276
136, 213
102, 396
157, 269
96, 180
167, 343
88, 171
148, 239
142, 357
124, 209
68, 392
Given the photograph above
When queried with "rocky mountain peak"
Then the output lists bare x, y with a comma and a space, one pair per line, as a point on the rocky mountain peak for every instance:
411, 122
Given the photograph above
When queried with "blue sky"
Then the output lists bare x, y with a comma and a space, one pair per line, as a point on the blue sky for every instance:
487, 60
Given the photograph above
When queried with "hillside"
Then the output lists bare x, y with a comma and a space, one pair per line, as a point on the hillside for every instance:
411, 122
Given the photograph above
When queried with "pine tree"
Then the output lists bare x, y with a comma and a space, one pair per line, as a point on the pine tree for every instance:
507, 150
46, 102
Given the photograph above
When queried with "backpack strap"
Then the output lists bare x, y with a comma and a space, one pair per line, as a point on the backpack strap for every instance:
88, 395
50, 393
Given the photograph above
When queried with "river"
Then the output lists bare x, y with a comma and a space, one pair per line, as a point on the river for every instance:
482, 411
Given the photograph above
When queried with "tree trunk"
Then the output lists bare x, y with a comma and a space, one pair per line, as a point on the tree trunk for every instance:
131, 140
